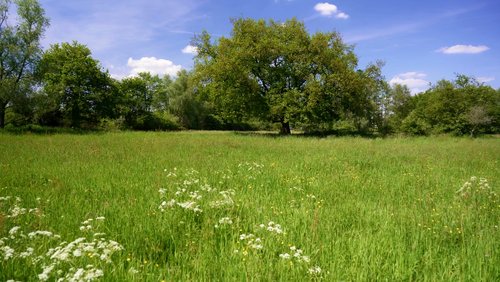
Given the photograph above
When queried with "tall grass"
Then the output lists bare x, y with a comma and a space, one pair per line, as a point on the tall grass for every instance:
223, 206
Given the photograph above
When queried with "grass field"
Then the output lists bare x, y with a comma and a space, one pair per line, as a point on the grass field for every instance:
194, 206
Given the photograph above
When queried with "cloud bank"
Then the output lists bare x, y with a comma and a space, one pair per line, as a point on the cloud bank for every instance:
153, 65
414, 80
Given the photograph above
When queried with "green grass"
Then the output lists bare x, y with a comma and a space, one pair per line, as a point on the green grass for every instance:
360, 209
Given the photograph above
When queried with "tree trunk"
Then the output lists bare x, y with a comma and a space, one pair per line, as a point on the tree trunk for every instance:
2, 115
285, 128
75, 115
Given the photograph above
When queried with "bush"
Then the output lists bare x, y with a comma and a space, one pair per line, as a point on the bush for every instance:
157, 121
415, 125
108, 124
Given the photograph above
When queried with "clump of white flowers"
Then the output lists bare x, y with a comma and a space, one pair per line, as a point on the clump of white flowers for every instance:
192, 195
224, 221
476, 186
273, 233
314, 271
477, 193
296, 254
272, 227
64, 262
250, 241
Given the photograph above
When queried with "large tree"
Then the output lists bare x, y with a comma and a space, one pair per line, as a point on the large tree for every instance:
82, 92
278, 72
19, 50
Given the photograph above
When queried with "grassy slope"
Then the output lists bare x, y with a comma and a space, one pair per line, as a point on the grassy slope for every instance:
360, 208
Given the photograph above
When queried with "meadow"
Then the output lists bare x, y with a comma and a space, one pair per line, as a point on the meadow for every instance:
223, 206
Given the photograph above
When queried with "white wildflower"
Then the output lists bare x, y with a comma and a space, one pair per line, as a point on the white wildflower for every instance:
77, 253
315, 270
100, 218
16, 211
85, 227
44, 276
31, 235
207, 188
274, 227
27, 253
225, 220
305, 259
14, 230
256, 246
190, 205
246, 236
285, 256
8, 252
34, 210
78, 275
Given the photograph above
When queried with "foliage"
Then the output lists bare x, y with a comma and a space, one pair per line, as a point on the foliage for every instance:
398, 104
278, 72
19, 52
76, 85
458, 107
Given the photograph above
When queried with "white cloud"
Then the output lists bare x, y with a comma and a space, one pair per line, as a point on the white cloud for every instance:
342, 16
326, 9
464, 49
414, 80
190, 49
485, 79
153, 66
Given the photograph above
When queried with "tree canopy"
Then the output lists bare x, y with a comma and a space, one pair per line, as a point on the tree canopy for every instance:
19, 51
74, 80
280, 73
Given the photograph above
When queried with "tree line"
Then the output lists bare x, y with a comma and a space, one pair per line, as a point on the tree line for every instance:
265, 75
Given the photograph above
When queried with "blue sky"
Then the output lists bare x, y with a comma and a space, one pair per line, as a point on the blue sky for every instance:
420, 41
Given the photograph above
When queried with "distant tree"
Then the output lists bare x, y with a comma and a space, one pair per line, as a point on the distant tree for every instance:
459, 107
278, 72
19, 52
189, 109
137, 100
399, 105
161, 96
76, 84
